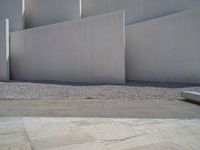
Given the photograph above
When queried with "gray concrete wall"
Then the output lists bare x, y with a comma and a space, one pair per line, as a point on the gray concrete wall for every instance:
14, 11
4, 50
137, 10
44, 12
90, 50
165, 49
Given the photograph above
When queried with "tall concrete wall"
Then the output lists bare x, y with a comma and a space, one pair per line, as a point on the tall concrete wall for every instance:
137, 10
4, 50
14, 11
90, 50
165, 49
44, 12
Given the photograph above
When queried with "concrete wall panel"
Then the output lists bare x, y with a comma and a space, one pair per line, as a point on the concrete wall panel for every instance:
90, 50
14, 11
44, 12
96, 7
4, 50
137, 10
165, 49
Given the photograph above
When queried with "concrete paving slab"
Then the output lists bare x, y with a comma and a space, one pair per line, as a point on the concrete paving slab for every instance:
105, 134
191, 96
100, 108
13, 135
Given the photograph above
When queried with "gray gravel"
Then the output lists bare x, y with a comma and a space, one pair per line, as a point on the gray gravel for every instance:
130, 91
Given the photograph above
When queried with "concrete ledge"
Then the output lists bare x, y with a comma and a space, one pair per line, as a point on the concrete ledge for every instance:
191, 96
4, 50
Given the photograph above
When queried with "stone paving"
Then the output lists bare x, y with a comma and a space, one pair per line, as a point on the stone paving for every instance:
98, 134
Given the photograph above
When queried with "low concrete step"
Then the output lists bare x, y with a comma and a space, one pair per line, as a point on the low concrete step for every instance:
191, 96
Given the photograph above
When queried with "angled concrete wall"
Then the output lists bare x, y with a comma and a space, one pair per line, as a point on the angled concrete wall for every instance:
90, 50
14, 11
44, 12
165, 49
4, 50
137, 10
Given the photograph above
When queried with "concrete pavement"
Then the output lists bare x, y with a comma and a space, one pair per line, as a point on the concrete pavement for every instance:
100, 109
25, 125
98, 134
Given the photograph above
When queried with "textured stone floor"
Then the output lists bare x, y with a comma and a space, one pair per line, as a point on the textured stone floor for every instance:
60, 91
98, 134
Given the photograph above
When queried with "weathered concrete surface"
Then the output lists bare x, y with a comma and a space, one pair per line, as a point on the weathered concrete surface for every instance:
13, 136
44, 12
100, 108
4, 50
137, 10
90, 50
99, 134
191, 96
14, 11
165, 49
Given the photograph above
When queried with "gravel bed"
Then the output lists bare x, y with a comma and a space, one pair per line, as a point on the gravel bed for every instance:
59, 91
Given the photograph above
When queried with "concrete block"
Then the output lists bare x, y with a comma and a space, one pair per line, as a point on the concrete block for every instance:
90, 50
4, 50
44, 12
165, 49
14, 11
137, 10
191, 96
